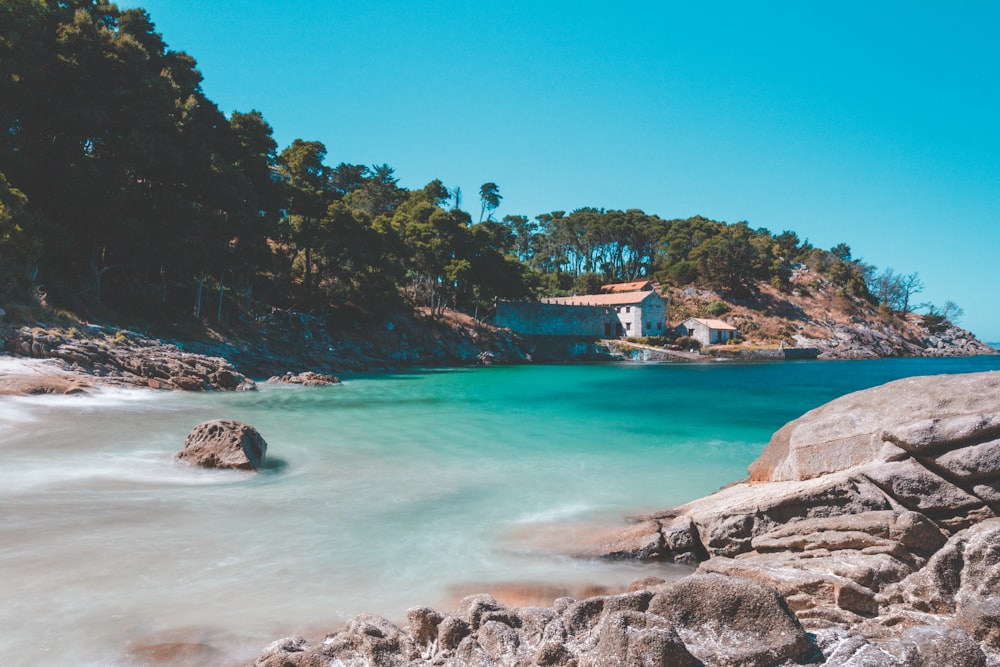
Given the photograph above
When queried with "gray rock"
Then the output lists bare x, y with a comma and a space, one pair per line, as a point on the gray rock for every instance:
916, 414
224, 443
732, 621
939, 645
642, 640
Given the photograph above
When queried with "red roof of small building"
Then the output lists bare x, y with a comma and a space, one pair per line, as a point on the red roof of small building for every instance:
714, 324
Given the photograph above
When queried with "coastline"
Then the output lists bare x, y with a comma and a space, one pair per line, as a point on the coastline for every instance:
79, 358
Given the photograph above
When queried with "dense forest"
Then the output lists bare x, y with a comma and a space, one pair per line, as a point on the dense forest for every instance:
124, 189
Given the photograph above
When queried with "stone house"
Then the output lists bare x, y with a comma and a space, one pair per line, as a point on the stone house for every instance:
707, 331
630, 314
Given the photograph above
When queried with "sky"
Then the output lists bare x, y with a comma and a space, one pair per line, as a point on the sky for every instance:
876, 124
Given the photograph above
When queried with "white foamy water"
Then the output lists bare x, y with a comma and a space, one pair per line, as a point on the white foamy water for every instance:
380, 494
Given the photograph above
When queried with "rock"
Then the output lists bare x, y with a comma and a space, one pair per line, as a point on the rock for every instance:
127, 359
945, 646
307, 378
917, 413
732, 621
224, 443
963, 573
871, 514
642, 640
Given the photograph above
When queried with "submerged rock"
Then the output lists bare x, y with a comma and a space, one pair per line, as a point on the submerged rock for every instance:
307, 378
224, 443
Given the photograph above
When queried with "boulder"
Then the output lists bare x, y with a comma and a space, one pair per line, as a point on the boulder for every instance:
732, 621
224, 443
917, 415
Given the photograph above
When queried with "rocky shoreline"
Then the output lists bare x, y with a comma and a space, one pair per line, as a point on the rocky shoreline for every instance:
79, 358
867, 534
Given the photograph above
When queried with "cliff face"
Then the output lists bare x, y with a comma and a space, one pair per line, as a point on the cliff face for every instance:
815, 314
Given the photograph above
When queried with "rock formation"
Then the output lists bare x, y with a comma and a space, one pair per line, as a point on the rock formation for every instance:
307, 379
867, 534
874, 515
224, 443
127, 359
700, 620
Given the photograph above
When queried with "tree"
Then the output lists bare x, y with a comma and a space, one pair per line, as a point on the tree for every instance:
938, 320
380, 194
728, 260
894, 291
489, 196
524, 233
308, 181
19, 247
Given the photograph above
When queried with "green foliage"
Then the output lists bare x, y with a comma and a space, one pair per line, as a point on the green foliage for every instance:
489, 195
935, 323
588, 283
688, 343
20, 248
714, 308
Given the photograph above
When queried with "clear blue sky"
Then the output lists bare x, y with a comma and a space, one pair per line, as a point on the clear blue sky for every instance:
872, 123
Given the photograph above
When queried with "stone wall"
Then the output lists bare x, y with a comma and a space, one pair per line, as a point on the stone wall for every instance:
545, 319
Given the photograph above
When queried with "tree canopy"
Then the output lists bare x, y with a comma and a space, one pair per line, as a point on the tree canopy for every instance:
122, 185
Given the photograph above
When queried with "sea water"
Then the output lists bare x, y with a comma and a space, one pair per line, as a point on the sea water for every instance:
382, 493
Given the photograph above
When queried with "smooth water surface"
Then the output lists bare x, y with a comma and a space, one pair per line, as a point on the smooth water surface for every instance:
382, 493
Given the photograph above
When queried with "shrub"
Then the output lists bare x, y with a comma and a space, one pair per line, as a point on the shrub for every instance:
688, 343
715, 308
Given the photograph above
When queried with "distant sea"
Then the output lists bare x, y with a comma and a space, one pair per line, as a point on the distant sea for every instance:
382, 493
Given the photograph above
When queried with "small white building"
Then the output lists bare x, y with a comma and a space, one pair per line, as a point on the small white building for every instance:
707, 332
637, 313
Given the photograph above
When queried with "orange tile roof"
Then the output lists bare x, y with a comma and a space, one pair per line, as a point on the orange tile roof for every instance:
616, 299
638, 286
715, 324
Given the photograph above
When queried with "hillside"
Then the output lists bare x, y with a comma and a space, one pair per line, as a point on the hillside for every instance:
815, 313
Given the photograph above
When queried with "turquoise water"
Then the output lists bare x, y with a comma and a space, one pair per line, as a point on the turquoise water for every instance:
382, 493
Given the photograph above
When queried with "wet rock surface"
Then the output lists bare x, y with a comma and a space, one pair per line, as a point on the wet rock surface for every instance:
224, 443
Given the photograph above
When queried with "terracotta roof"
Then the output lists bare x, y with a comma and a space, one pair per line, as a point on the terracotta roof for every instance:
617, 299
714, 324
638, 286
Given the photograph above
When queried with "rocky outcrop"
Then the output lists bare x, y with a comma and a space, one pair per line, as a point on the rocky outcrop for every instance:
874, 516
224, 443
306, 379
700, 620
122, 358
863, 340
